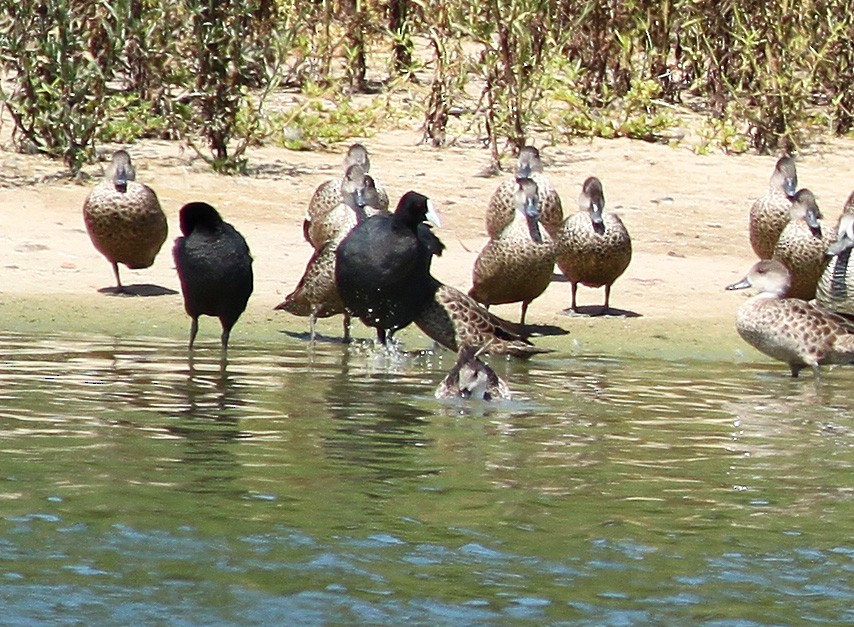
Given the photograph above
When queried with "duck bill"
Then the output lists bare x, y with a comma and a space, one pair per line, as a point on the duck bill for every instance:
740, 285
812, 221
596, 217
790, 186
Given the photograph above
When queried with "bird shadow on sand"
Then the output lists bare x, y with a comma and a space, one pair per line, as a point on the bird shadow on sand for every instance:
595, 311
138, 289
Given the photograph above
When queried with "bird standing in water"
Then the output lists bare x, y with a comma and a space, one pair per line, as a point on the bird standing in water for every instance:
382, 267
790, 330
214, 267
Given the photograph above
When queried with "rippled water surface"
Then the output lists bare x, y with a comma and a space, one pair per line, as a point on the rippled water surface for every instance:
331, 487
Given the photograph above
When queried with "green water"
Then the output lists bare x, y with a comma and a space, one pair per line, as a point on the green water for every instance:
330, 487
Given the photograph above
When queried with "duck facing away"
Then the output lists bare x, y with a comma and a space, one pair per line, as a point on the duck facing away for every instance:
316, 295
835, 289
802, 246
790, 330
214, 267
124, 218
502, 206
327, 196
770, 213
517, 265
382, 266
471, 378
593, 247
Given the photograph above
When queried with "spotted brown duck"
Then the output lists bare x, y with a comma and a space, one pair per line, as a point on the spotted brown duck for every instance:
769, 215
124, 218
802, 246
517, 265
593, 247
502, 204
790, 330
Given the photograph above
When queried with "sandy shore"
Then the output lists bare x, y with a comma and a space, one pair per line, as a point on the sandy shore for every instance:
687, 215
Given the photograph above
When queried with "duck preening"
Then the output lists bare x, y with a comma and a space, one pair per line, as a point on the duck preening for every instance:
215, 269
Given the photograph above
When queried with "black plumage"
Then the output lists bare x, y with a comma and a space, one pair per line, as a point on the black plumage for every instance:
214, 266
382, 267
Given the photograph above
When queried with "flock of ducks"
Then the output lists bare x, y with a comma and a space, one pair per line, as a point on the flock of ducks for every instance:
374, 264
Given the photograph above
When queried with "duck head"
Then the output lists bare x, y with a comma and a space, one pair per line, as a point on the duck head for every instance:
528, 162
121, 171
785, 176
527, 203
769, 277
357, 154
592, 200
804, 207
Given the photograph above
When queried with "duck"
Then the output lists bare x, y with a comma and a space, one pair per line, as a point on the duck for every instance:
382, 266
327, 196
454, 319
316, 294
802, 245
790, 330
835, 290
471, 378
502, 206
214, 267
593, 248
357, 198
517, 265
124, 218
770, 213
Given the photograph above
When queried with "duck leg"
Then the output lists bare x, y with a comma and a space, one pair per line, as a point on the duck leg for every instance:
607, 308
119, 287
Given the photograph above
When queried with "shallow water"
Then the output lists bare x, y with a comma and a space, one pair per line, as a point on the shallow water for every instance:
331, 487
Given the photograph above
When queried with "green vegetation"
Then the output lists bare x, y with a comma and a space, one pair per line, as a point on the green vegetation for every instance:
222, 76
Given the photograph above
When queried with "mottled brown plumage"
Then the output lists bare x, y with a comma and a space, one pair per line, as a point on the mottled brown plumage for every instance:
454, 319
835, 289
499, 213
517, 265
124, 218
593, 248
327, 198
769, 215
316, 295
790, 330
802, 246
